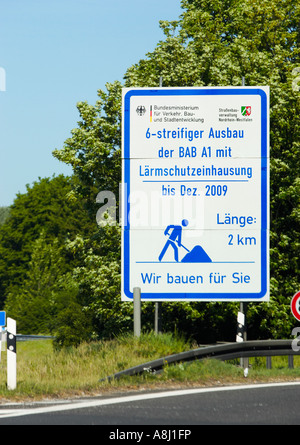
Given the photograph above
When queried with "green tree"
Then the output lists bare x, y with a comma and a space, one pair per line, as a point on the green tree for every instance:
48, 207
98, 279
47, 289
93, 151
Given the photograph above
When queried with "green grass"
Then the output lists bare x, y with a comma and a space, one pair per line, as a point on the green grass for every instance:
43, 372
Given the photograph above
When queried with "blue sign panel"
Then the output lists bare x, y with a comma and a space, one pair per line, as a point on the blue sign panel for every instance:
195, 222
2, 318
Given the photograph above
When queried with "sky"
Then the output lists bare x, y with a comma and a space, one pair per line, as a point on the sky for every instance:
53, 54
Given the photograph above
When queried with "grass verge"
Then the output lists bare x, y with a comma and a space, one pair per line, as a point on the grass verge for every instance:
43, 372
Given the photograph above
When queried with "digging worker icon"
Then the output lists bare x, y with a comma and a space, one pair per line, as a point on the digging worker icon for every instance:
174, 237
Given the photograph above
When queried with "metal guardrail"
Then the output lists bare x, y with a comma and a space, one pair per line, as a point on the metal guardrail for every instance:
22, 337
229, 351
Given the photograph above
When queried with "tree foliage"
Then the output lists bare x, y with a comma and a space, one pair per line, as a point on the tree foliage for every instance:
93, 150
45, 207
46, 290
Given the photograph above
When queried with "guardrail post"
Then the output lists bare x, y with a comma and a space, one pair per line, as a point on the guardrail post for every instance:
11, 354
291, 361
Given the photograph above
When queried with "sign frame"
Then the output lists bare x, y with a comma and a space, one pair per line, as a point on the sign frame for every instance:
127, 288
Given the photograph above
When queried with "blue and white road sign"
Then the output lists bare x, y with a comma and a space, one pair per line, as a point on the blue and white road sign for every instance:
195, 221
2, 318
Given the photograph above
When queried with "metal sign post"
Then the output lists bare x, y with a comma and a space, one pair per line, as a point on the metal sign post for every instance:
137, 311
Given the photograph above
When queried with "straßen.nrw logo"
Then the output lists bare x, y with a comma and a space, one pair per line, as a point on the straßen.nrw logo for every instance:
246, 110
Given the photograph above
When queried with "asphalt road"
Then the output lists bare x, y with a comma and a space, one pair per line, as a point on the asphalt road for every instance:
262, 404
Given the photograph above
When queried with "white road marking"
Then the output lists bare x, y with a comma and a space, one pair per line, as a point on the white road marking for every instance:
17, 412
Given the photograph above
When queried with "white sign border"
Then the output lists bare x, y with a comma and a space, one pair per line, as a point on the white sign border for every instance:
263, 295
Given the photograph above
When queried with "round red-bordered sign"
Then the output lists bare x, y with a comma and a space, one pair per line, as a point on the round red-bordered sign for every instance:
295, 306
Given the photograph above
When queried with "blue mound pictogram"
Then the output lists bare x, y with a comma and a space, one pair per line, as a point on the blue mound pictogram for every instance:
196, 255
